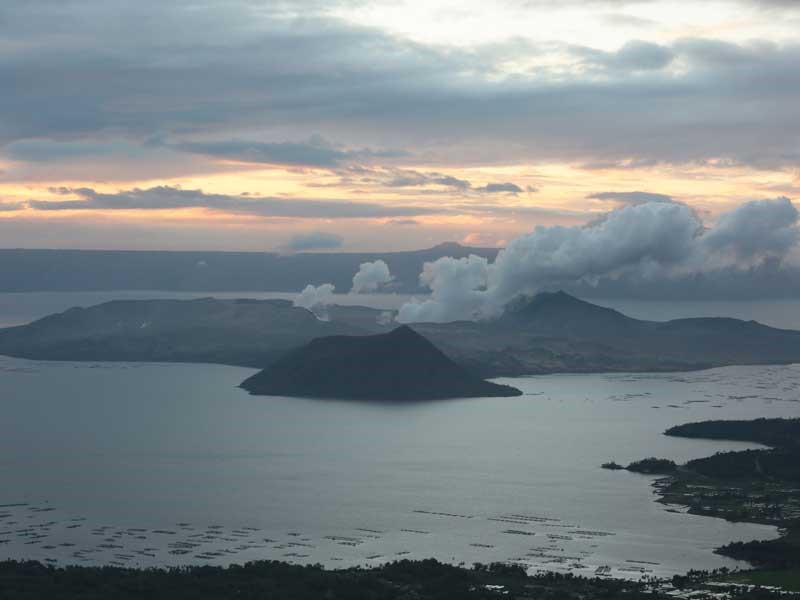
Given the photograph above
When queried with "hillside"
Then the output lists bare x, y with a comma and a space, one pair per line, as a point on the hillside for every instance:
561, 315
399, 365
770, 432
549, 333
237, 332
556, 332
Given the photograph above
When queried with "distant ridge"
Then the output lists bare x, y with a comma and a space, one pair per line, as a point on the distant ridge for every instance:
549, 333
23, 270
399, 365
559, 313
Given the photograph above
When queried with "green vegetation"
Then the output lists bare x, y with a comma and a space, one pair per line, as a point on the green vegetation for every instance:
402, 580
759, 486
778, 465
788, 579
782, 553
612, 466
770, 432
418, 580
653, 466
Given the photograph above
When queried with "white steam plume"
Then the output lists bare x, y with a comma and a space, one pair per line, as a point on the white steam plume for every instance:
371, 277
316, 299
652, 239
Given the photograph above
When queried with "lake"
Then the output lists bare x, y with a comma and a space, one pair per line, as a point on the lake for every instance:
154, 464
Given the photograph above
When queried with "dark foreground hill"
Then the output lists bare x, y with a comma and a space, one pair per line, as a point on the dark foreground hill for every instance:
399, 365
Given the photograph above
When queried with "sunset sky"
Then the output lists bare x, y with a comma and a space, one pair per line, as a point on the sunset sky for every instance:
310, 125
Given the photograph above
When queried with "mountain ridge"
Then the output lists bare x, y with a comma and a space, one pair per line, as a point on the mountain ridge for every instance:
553, 332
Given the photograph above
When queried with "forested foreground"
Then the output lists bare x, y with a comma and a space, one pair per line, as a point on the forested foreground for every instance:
418, 580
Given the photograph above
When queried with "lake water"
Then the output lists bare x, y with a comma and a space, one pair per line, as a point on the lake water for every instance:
151, 464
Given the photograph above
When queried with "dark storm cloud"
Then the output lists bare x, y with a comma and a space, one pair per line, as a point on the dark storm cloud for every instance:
249, 73
166, 197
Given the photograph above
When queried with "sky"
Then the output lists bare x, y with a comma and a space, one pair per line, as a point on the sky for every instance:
348, 125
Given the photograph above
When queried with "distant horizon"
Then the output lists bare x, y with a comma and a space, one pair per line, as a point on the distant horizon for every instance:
447, 243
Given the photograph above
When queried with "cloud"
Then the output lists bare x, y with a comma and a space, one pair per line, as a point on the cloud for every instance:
314, 240
315, 152
396, 177
754, 230
44, 150
655, 240
635, 55
631, 197
403, 222
527, 211
626, 20
477, 238
254, 79
411, 178
167, 197
458, 290
498, 188
316, 299
406, 178
371, 277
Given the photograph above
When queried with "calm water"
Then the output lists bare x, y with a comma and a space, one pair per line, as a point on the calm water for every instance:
167, 464
146, 464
